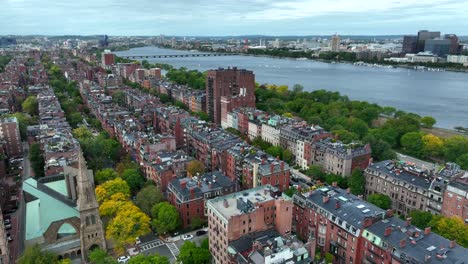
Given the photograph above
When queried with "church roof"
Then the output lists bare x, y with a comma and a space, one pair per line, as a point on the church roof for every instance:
44, 206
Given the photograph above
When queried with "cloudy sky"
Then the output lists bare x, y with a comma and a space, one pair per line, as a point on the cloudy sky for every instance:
232, 17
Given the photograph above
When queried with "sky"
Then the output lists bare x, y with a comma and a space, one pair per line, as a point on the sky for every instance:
231, 17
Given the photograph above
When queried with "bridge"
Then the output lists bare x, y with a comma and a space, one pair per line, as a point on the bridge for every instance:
177, 55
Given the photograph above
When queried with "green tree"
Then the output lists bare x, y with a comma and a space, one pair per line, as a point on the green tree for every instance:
126, 163
31, 106
297, 88
197, 222
105, 175
328, 258
195, 167
380, 200
148, 197
118, 98
356, 182
420, 219
290, 191
34, 255
75, 119
287, 156
165, 217
357, 126
134, 179
455, 147
100, 256
275, 151
412, 143
37, 160
381, 150
152, 259
316, 172
452, 228
345, 136
463, 161
428, 121
341, 181
191, 254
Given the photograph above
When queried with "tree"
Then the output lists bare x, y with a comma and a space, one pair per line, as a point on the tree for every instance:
356, 182
114, 204
433, 146
455, 147
195, 167
152, 259
380, 200
165, 217
275, 151
463, 161
191, 254
75, 119
346, 136
316, 172
297, 88
341, 181
82, 132
134, 179
124, 164
290, 191
100, 256
118, 98
452, 228
31, 106
37, 160
381, 150
357, 126
328, 258
104, 175
148, 197
287, 156
34, 255
428, 121
412, 143
420, 219
197, 222
130, 222
109, 188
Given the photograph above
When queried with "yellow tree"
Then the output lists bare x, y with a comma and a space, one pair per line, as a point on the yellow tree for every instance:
106, 190
110, 208
195, 167
129, 223
433, 145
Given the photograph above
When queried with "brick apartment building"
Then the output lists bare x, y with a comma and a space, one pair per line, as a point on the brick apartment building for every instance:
189, 195
166, 167
108, 58
10, 134
227, 89
456, 199
236, 215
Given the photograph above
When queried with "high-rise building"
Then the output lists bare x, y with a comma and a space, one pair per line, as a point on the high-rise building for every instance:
424, 35
227, 89
454, 45
335, 43
439, 47
409, 44
237, 215
9, 132
104, 41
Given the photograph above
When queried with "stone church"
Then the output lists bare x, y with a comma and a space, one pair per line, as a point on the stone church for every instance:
61, 213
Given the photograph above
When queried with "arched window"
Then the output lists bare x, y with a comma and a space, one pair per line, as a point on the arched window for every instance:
66, 230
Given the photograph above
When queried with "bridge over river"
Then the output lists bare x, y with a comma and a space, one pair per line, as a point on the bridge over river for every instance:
136, 57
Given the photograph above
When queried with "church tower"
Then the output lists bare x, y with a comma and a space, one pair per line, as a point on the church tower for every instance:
92, 231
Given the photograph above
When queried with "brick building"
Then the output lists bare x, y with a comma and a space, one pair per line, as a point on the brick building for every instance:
10, 134
227, 89
236, 215
189, 195
166, 167
108, 58
456, 199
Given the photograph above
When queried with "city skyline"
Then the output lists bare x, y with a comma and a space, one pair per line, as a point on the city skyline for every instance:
241, 17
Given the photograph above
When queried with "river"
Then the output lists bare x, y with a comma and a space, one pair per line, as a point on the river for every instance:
443, 95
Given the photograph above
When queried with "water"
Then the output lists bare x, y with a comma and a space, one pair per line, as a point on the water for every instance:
443, 95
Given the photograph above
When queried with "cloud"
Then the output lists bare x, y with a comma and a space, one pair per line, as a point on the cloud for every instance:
224, 17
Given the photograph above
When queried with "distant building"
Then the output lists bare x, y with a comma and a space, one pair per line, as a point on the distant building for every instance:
454, 44
4, 246
335, 43
7, 41
424, 35
234, 216
104, 41
10, 134
409, 44
108, 58
439, 47
462, 59
227, 89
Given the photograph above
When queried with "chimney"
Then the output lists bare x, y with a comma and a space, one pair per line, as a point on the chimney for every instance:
210, 185
272, 167
225, 203
360, 196
192, 192
263, 161
334, 184
427, 230
388, 231
348, 190
452, 244
427, 258
402, 243
282, 165
337, 205
326, 199
389, 213
183, 184
408, 221
199, 183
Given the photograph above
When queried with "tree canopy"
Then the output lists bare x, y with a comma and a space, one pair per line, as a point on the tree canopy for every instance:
147, 197
134, 179
30, 105
195, 167
34, 255
191, 254
100, 256
109, 188
152, 259
165, 217
37, 160
104, 175
356, 182
380, 200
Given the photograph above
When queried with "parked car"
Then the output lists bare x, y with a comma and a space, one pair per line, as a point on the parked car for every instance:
9, 238
123, 259
187, 237
137, 240
7, 221
201, 232
175, 234
8, 226
132, 252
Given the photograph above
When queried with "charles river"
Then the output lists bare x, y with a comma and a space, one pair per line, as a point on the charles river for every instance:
443, 95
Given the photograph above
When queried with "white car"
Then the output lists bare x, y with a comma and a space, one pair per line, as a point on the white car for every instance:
123, 259
187, 237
